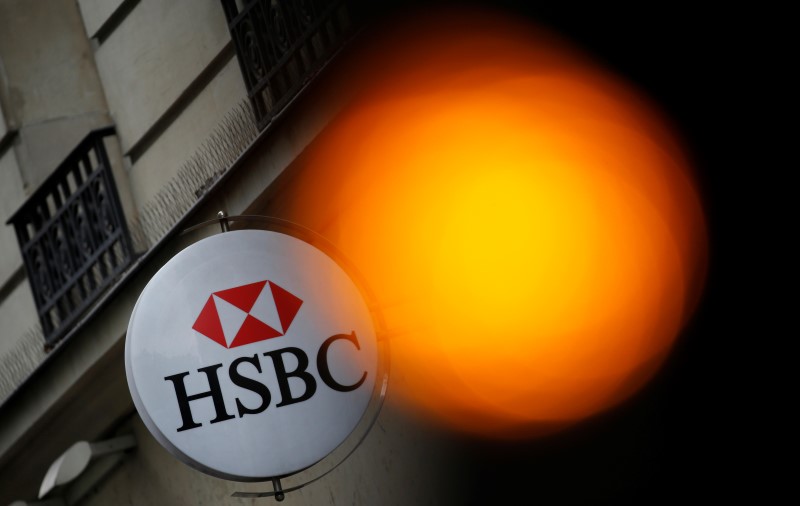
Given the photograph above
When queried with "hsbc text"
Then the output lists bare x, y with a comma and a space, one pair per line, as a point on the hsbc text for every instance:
282, 375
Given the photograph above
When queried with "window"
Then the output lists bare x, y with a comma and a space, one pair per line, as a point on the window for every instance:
281, 44
73, 236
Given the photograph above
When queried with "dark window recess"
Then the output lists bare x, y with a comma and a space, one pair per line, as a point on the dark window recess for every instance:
281, 44
73, 236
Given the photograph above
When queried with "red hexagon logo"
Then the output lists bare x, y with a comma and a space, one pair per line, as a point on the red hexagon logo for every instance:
247, 314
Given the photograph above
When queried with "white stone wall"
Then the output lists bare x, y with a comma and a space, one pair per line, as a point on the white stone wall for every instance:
50, 88
154, 56
12, 195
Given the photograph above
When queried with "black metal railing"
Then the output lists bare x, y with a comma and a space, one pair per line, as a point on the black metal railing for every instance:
281, 44
73, 236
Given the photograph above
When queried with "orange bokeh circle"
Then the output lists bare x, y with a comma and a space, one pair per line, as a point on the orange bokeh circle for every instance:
527, 221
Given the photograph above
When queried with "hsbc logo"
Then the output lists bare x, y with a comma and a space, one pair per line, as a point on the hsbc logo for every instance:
251, 354
247, 314
235, 317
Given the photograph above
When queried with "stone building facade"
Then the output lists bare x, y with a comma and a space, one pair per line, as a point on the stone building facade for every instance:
149, 94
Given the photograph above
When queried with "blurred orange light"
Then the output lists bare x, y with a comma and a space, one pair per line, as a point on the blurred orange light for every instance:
527, 221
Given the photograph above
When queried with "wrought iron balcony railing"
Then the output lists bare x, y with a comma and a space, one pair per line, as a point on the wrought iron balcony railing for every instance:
73, 236
281, 44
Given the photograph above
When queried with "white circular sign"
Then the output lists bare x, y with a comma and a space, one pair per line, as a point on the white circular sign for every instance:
251, 355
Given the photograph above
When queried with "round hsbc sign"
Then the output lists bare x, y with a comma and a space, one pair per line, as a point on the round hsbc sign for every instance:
251, 355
